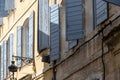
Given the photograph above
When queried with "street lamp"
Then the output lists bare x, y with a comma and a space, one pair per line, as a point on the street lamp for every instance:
13, 68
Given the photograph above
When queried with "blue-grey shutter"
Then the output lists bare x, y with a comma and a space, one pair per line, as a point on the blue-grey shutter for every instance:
9, 5
72, 44
19, 44
12, 4
5, 58
3, 12
100, 12
31, 25
116, 2
43, 35
11, 47
1, 63
1, 21
74, 19
54, 33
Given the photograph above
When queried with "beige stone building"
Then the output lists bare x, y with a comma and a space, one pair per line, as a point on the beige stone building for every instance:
60, 39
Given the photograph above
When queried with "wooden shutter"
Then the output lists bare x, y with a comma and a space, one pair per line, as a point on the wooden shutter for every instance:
43, 35
11, 47
31, 25
116, 2
9, 5
54, 33
72, 44
3, 12
100, 12
1, 21
5, 59
19, 44
1, 63
74, 19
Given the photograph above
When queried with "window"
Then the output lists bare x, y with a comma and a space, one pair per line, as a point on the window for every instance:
100, 11
6, 6
25, 40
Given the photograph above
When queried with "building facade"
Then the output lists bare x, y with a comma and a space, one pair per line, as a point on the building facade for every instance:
60, 39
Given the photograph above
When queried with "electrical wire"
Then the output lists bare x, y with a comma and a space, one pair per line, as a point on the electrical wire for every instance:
74, 53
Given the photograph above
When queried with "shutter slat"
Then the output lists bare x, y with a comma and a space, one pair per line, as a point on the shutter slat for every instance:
54, 33
43, 34
3, 12
74, 20
19, 44
31, 25
100, 11
116, 2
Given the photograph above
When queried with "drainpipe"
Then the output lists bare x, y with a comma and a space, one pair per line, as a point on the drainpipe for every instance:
54, 70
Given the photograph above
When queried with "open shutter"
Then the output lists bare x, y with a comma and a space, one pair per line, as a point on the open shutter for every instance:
43, 35
12, 4
54, 33
74, 19
19, 44
1, 63
9, 5
72, 44
11, 47
100, 12
3, 12
116, 2
5, 58
1, 21
31, 25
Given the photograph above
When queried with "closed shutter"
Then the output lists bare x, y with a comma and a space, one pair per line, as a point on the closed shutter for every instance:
1, 21
19, 44
72, 44
1, 63
54, 33
31, 25
43, 35
100, 12
11, 48
116, 2
74, 19
5, 58
3, 12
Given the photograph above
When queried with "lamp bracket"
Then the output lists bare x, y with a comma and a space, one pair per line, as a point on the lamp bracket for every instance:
26, 60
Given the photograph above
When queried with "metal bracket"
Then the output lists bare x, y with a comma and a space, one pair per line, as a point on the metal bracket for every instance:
26, 60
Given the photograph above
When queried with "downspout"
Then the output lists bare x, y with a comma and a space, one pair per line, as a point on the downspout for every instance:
54, 70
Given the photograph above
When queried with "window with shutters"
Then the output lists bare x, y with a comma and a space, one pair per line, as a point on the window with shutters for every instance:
6, 6
25, 40
100, 11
